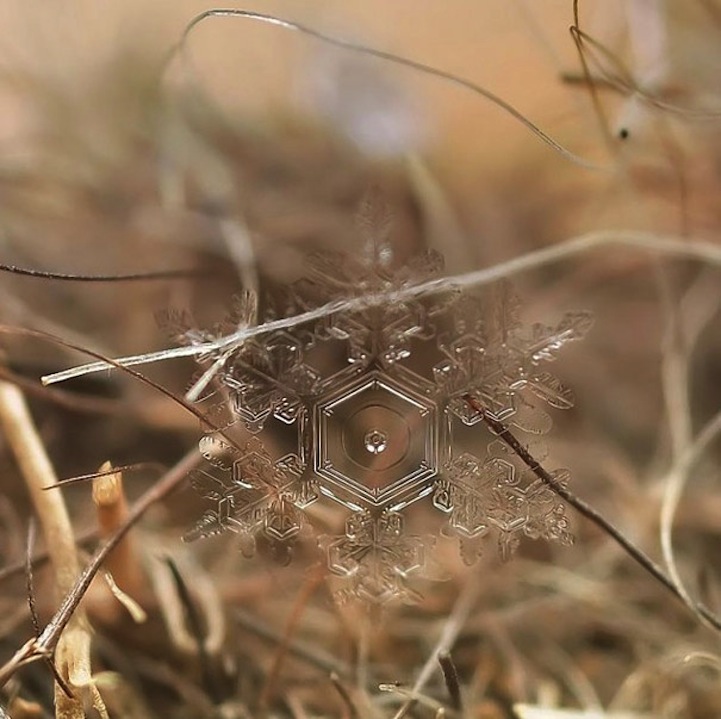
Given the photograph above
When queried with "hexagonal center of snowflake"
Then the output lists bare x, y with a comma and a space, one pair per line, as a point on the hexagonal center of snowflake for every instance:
376, 442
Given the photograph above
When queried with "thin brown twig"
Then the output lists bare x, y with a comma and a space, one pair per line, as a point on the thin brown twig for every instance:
43, 646
136, 466
350, 711
600, 83
636, 553
450, 676
30, 584
593, 93
305, 652
299, 606
172, 274
623, 82
16, 569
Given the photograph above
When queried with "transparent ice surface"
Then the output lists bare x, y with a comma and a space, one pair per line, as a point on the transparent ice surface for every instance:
374, 435
376, 441
374, 557
252, 495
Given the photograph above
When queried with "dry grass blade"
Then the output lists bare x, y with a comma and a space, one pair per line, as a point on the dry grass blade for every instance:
197, 631
392, 58
72, 650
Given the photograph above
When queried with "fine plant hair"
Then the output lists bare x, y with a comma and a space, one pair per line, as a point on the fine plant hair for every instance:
129, 277
672, 246
388, 57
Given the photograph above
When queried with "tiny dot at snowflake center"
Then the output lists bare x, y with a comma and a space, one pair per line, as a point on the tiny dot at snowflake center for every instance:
376, 441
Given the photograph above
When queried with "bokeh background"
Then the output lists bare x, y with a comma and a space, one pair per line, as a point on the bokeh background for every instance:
104, 168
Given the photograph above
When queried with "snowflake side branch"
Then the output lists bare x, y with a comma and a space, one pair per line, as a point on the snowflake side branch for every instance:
635, 552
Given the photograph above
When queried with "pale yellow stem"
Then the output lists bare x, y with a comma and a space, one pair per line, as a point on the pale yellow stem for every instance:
72, 655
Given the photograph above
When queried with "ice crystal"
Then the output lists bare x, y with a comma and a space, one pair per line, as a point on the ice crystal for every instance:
482, 495
373, 399
254, 496
374, 557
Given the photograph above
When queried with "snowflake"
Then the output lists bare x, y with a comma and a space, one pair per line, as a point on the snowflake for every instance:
372, 401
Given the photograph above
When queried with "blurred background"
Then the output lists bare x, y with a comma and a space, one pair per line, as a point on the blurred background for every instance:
251, 149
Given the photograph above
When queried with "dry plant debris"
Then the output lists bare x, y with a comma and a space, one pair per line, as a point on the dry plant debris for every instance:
366, 410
